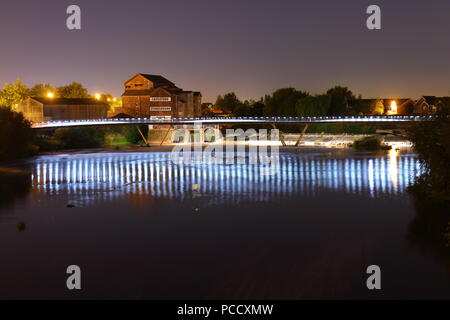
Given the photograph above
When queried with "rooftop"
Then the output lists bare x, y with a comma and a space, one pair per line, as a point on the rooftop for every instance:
68, 101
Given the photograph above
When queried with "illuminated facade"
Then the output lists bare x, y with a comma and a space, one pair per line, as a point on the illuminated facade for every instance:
39, 109
148, 95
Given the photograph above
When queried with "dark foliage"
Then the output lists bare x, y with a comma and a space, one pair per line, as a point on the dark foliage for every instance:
432, 144
16, 135
80, 137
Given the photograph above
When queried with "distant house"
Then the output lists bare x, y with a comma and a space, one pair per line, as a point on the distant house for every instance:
148, 95
403, 106
431, 104
46, 109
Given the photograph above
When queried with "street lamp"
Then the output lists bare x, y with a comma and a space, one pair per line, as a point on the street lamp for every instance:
50, 95
393, 108
98, 96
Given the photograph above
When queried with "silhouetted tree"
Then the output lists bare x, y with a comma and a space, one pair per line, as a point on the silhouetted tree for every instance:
282, 102
228, 103
73, 90
313, 106
16, 135
432, 143
41, 90
341, 99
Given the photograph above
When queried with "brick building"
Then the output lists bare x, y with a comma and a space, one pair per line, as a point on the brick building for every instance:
148, 95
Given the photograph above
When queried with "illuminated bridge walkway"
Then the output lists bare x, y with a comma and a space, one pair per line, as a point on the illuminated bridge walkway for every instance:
94, 178
230, 120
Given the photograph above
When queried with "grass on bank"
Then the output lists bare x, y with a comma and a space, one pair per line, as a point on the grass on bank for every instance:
76, 138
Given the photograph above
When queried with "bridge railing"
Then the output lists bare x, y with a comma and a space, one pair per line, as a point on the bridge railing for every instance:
281, 119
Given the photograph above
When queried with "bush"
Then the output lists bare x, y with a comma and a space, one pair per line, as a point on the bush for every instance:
132, 135
124, 135
16, 135
48, 143
432, 144
371, 143
80, 137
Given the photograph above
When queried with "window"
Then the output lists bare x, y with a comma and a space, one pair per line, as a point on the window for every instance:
165, 99
160, 108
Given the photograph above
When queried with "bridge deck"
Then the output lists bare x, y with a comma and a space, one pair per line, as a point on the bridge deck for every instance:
231, 120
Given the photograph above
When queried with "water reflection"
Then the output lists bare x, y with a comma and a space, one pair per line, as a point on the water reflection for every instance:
115, 175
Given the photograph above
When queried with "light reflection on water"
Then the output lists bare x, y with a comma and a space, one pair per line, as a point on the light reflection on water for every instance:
114, 175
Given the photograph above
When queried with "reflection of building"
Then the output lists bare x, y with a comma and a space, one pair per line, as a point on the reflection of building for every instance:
47, 109
148, 95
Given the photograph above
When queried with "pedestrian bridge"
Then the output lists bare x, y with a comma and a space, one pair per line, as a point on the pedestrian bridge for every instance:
231, 120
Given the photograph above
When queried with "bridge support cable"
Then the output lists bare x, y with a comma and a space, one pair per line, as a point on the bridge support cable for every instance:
281, 135
165, 136
142, 135
301, 135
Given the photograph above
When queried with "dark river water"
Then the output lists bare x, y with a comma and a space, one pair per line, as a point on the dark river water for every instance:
139, 228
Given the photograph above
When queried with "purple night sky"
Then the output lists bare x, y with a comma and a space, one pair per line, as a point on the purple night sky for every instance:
251, 47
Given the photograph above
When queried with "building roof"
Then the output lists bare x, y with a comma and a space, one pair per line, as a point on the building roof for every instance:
68, 101
146, 92
155, 78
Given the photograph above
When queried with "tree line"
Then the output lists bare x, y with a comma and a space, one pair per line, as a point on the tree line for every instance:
14, 93
291, 102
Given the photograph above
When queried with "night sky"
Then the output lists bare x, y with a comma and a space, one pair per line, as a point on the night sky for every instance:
251, 47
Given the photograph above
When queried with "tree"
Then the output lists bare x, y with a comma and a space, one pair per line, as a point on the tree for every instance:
432, 146
13, 93
282, 102
313, 106
341, 100
15, 135
228, 103
243, 110
73, 90
80, 137
258, 109
111, 101
41, 90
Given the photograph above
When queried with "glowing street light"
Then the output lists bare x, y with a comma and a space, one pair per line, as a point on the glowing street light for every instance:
393, 108
50, 95
98, 96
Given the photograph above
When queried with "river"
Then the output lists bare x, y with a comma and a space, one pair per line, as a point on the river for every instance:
142, 227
